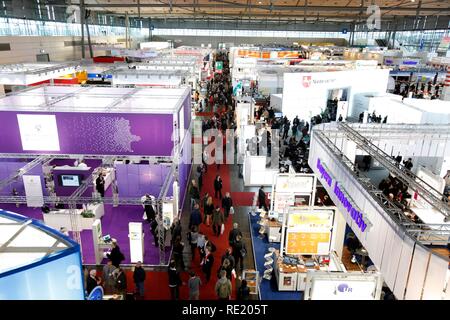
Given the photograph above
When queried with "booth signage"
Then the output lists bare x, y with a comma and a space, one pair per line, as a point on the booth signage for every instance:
324, 173
356, 215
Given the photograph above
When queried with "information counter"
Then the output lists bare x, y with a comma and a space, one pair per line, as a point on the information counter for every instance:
292, 277
61, 218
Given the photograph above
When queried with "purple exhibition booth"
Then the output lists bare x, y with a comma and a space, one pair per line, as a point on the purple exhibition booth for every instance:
143, 130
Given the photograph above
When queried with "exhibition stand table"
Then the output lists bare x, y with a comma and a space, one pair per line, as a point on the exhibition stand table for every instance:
61, 218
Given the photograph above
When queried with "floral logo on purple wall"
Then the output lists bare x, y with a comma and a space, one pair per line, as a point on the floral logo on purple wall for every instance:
112, 134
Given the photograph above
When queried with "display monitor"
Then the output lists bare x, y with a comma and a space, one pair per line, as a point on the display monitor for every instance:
70, 180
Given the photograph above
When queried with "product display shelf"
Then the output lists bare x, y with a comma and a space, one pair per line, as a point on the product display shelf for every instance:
252, 278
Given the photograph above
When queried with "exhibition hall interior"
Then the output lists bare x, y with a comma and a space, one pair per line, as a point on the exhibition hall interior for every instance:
250, 150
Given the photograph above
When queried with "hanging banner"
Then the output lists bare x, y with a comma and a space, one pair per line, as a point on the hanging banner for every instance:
33, 191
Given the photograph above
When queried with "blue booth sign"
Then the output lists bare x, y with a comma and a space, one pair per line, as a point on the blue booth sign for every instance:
358, 217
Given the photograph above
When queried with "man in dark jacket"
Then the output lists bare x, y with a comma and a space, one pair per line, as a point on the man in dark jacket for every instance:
175, 229
207, 263
139, 279
92, 281
230, 257
148, 208
196, 218
262, 198
174, 281
154, 230
194, 192
227, 203
239, 252
121, 282
233, 234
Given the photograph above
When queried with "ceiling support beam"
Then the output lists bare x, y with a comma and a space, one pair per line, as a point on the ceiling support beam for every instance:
262, 7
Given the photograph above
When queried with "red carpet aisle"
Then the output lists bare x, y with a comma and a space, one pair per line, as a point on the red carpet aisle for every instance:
156, 285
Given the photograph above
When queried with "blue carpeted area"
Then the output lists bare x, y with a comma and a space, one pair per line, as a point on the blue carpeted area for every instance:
268, 289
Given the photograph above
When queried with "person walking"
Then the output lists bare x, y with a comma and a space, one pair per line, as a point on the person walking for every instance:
139, 279
223, 287
121, 282
194, 192
154, 231
194, 286
233, 234
207, 263
239, 252
226, 266
228, 255
100, 185
195, 218
174, 281
262, 198
149, 209
227, 203
218, 220
243, 291
108, 277
178, 248
218, 187
116, 256
192, 237
175, 229
208, 211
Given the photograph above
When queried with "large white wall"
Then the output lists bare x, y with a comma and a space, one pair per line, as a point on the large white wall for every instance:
305, 94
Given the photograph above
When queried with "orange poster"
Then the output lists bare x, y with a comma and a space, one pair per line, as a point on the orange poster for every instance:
308, 243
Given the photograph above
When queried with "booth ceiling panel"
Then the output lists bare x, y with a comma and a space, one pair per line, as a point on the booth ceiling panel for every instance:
13, 260
96, 99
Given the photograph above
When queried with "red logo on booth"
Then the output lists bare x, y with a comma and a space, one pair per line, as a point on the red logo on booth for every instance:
306, 81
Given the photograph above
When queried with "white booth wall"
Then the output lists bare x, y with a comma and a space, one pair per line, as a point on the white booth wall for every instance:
276, 101
418, 111
431, 150
306, 94
401, 261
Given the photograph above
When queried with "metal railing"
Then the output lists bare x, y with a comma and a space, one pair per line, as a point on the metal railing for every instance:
425, 234
26, 168
427, 192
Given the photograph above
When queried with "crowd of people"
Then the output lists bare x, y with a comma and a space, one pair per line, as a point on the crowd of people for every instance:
205, 212
372, 118
423, 90
113, 279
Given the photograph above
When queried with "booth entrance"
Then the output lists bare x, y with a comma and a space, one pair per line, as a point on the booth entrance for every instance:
337, 103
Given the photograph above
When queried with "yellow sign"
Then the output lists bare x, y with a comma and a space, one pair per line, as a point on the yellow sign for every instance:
310, 219
307, 243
